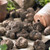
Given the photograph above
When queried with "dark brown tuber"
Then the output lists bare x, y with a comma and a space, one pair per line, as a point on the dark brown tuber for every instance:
28, 26
10, 34
14, 14
47, 31
34, 35
6, 22
38, 26
31, 10
29, 17
23, 33
23, 15
2, 31
8, 42
20, 11
21, 42
15, 26
39, 45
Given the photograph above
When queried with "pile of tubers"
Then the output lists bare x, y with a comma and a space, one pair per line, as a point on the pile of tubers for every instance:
21, 26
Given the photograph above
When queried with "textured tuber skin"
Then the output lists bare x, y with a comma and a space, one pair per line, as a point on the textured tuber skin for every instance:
10, 34
8, 27
15, 26
30, 14
38, 26
20, 12
8, 42
47, 31
2, 31
23, 33
31, 10
29, 17
14, 14
21, 42
39, 45
23, 15
6, 22
28, 27
12, 28
34, 35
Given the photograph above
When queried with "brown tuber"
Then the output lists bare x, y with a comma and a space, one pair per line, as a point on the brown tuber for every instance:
2, 31
6, 22
10, 34
14, 14
12, 28
47, 31
23, 15
29, 17
34, 35
21, 42
8, 42
38, 26
31, 10
28, 27
15, 26
39, 45
23, 33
